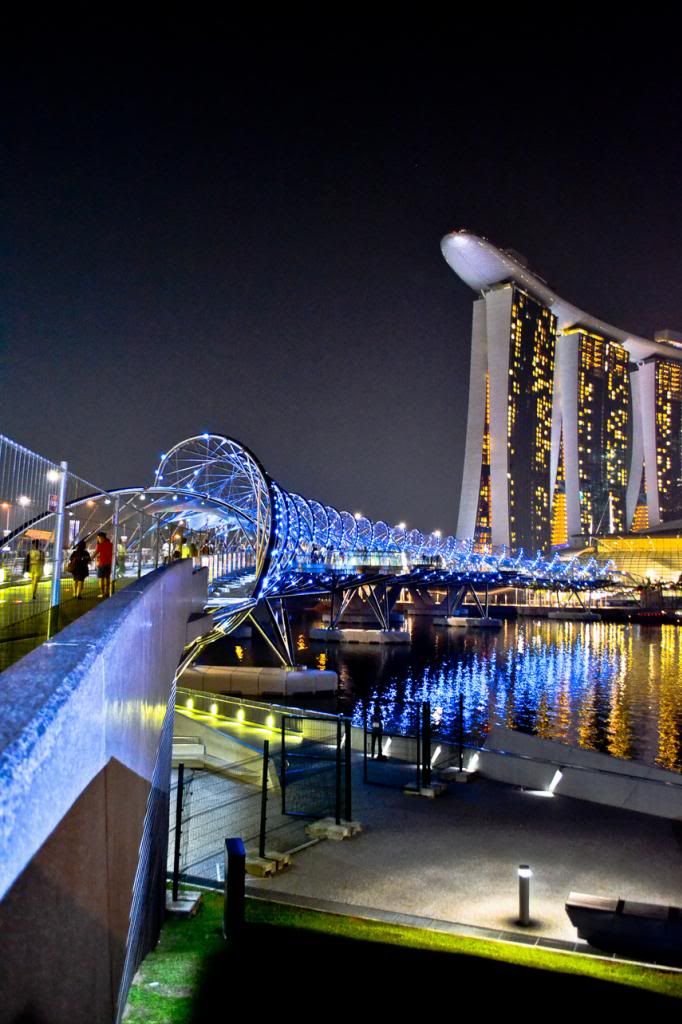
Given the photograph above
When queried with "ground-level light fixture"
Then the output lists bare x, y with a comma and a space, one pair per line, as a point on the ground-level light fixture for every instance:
52, 474
525, 875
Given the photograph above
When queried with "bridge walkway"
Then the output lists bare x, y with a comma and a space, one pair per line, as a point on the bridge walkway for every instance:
24, 622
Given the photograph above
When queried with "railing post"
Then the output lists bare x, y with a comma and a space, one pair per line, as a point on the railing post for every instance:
338, 771
426, 743
283, 769
139, 547
178, 830
364, 746
264, 798
55, 592
419, 751
461, 732
156, 541
348, 812
114, 542
235, 875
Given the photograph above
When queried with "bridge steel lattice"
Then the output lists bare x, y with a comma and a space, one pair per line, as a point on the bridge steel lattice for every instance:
274, 545
299, 546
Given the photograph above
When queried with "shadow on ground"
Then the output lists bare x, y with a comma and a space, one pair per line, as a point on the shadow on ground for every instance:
272, 967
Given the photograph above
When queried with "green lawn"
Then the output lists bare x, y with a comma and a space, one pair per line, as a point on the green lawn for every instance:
305, 958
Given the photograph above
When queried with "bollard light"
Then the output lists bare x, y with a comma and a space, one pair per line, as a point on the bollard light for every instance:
270, 722
241, 715
525, 875
189, 703
214, 709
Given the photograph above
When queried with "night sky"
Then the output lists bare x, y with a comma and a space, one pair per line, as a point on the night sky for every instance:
241, 234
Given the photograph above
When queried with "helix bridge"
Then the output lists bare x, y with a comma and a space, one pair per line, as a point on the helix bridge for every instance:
267, 545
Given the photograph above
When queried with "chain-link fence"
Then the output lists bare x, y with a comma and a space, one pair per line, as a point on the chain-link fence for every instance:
45, 510
408, 760
277, 770
314, 766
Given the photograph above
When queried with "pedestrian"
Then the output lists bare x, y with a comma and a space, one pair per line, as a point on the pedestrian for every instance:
35, 562
377, 733
104, 556
79, 567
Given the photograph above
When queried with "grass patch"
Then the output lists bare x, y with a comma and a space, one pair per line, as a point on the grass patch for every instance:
286, 952
661, 982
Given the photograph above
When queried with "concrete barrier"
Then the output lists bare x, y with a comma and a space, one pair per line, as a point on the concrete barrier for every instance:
532, 762
252, 681
360, 636
85, 748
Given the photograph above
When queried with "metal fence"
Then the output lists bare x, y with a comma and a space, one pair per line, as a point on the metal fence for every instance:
409, 760
266, 796
45, 510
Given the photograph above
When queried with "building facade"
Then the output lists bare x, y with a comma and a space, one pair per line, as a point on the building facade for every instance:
574, 426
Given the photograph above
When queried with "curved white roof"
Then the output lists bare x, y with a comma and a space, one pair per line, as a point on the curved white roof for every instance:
481, 265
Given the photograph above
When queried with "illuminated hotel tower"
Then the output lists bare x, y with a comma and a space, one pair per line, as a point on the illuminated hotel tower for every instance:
593, 380
657, 385
570, 419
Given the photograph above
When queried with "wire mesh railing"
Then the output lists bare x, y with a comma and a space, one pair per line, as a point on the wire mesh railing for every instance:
287, 768
45, 511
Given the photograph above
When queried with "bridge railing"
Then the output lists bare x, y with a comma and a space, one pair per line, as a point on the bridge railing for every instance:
45, 510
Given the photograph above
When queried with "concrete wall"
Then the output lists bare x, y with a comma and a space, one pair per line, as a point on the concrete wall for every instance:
471, 471
531, 762
85, 746
498, 306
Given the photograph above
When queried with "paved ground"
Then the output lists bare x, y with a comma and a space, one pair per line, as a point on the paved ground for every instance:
24, 622
455, 858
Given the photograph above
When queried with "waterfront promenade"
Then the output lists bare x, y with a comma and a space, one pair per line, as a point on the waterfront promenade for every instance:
454, 859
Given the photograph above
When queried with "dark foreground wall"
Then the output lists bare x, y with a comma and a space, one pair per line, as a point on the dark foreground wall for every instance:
85, 746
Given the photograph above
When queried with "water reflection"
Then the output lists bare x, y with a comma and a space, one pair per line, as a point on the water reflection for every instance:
601, 686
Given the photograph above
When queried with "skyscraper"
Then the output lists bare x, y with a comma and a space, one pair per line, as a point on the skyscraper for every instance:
569, 417
658, 387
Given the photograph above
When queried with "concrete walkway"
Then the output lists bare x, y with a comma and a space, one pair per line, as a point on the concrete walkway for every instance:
454, 859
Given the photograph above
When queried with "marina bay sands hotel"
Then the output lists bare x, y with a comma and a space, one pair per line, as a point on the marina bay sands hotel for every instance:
574, 426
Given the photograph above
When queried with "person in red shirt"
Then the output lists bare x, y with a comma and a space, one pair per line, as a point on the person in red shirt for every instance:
104, 556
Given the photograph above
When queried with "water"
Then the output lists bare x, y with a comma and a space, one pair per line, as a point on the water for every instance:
601, 686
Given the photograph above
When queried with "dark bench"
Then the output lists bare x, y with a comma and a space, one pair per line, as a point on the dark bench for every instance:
650, 930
